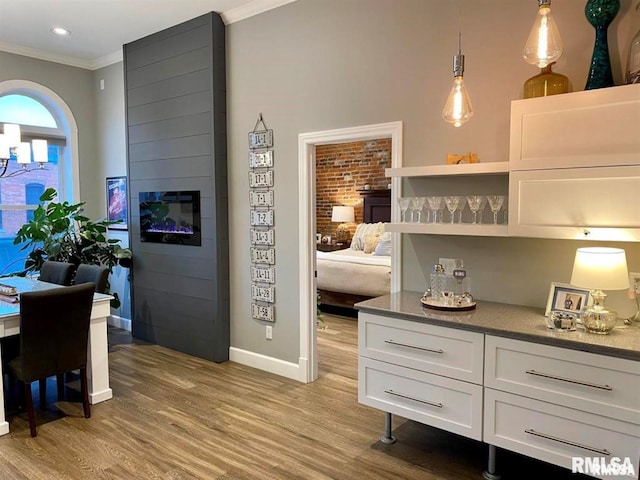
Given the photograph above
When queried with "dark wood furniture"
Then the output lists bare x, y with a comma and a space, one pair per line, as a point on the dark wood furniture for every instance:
332, 247
376, 208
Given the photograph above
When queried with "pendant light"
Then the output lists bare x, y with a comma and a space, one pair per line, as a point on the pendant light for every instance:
457, 110
544, 45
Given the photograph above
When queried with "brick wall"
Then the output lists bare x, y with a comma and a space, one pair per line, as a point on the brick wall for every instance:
343, 169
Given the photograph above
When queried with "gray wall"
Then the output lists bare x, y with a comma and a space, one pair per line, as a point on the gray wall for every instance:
342, 63
176, 127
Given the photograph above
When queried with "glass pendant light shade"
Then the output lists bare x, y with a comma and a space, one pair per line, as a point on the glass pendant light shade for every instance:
544, 44
24, 153
457, 109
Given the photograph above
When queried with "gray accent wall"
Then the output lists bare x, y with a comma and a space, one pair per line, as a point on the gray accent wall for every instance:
175, 95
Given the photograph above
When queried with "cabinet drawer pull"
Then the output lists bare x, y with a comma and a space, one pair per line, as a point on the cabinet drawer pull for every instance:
433, 404
432, 350
566, 442
569, 380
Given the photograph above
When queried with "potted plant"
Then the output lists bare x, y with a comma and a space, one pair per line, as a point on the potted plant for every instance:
61, 232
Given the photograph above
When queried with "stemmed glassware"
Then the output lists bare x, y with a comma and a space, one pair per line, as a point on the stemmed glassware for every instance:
435, 205
417, 204
403, 202
474, 202
495, 203
452, 205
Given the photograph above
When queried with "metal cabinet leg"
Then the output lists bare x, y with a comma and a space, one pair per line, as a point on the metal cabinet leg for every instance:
388, 437
490, 473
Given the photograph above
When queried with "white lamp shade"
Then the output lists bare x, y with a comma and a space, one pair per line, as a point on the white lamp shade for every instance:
24, 153
4, 146
12, 134
599, 268
342, 214
40, 153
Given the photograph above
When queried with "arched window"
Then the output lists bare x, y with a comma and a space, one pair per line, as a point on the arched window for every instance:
19, 194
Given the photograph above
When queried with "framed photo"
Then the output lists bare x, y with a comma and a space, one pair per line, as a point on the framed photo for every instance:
566, 298
117, 202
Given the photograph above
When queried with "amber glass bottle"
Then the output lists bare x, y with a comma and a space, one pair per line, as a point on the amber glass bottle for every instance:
546, 83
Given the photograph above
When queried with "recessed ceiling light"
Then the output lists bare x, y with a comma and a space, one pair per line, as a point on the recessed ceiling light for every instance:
60, 31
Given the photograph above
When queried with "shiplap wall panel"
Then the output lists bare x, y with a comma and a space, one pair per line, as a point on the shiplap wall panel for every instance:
175, 84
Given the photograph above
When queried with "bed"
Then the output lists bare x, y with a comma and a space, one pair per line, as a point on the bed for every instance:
346, 277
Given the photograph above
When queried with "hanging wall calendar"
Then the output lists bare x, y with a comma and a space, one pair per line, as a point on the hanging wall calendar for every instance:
262, 221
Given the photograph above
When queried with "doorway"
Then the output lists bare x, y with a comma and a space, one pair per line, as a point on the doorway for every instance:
307, 143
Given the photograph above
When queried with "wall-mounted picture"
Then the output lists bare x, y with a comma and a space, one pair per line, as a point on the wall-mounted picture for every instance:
566, 298
117, 202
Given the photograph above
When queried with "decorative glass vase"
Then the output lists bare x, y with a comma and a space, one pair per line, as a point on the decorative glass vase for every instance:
545, 83
600, 14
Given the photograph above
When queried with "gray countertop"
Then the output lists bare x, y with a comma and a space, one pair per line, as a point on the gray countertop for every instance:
513, 321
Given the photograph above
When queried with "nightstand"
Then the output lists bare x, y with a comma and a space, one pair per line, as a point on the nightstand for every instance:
331, 247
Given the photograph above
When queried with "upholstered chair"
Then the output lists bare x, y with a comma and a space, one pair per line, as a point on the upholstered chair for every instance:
92, 273
60, 273
54, 331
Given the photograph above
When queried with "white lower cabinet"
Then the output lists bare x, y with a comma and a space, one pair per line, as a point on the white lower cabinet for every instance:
547, 402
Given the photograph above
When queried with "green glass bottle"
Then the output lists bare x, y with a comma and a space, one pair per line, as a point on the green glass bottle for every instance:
546, 83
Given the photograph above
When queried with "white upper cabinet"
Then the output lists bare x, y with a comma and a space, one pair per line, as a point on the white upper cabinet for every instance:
574, 167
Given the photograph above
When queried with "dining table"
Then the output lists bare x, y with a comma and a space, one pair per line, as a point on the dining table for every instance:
97, 350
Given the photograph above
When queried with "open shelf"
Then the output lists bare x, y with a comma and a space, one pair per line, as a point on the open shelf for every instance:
479, 230
491, 168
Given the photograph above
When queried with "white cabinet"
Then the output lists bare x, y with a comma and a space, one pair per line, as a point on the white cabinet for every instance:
574, 165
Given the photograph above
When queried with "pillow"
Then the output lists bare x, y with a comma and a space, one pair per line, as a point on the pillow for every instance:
384, 245
364, 229
370, 243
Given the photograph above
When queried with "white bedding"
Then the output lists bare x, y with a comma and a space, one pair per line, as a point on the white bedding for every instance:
353, 271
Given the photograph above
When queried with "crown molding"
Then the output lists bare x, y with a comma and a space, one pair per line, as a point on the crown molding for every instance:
250, 9
41, 55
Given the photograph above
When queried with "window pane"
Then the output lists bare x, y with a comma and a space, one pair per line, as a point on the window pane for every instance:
25, 110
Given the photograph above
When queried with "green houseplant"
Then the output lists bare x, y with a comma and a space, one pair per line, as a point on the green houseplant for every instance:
61, 232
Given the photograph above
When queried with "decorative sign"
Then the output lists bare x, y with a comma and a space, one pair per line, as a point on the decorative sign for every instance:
261, 139
261, 159
262, 218
261, 179
263, 274
263, 237
263, 255
263, 312
263, 294
261, 198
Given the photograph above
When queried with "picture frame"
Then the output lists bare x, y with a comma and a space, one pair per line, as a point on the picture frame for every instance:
116, 188
567, 298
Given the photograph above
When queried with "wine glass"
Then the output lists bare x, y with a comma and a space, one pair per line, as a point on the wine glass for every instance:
417, 204
474, 202
495, 203
460, 209
452, 205
435, 205
404, 206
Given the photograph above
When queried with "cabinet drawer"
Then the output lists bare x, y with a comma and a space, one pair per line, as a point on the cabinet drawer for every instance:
443, 351
441, 402
594, 383
554, 433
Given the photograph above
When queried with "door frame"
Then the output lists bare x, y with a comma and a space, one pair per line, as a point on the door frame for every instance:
307, 142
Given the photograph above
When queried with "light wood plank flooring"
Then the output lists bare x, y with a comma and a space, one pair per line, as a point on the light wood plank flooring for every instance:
178, 417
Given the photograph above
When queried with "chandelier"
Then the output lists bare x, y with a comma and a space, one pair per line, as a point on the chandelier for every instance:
12, 147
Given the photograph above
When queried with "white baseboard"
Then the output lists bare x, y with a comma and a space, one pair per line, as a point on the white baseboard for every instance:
269, 364
119, 322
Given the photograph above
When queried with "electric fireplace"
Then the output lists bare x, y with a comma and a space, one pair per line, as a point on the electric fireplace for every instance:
170, 217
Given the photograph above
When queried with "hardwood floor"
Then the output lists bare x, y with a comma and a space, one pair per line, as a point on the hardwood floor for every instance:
180, 417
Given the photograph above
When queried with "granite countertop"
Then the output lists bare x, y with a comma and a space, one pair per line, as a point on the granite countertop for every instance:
512, 321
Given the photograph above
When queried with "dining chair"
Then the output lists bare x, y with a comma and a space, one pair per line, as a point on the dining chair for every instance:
60, 273
54, 331
97, 274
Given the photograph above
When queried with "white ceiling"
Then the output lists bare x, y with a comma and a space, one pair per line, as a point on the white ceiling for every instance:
99, 28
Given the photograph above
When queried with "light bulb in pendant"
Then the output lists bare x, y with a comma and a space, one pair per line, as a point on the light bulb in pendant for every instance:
544, 45
457, 109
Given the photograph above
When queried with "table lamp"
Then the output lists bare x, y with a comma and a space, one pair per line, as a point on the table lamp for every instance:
343, 215
597, 269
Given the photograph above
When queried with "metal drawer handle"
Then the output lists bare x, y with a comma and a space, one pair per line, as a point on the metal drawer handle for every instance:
433, 404
432, 350
566, 442
569, 380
